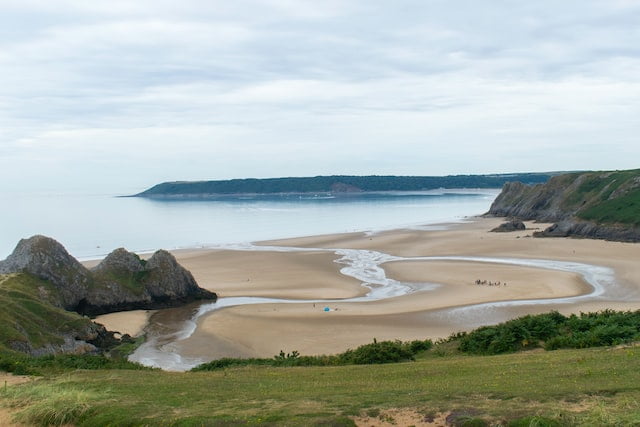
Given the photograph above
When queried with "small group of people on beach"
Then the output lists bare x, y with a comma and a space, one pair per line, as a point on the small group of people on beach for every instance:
490, 283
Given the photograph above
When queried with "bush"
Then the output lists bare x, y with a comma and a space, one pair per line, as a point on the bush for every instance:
21, 364
553, 331
374, 353
418, 346
377, 352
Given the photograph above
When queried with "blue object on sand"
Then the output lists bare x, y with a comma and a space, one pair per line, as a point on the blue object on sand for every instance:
327, 309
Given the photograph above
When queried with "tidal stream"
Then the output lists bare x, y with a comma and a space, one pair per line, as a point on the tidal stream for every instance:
164, 332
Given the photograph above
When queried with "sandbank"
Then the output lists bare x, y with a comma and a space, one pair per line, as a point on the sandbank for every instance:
294, 275
126, 322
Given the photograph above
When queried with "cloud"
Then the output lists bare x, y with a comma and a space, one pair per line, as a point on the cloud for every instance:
196, 90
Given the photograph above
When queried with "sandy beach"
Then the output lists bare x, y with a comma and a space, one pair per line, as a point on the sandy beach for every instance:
436, 309
126, 322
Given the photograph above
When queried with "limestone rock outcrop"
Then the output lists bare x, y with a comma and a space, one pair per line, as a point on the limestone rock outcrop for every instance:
509, 226
47, 259
127, 282
122, 281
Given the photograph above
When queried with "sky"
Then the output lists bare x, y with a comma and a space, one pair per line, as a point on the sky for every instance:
119, 95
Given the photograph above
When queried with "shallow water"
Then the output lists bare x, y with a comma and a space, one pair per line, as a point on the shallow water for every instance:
91, 226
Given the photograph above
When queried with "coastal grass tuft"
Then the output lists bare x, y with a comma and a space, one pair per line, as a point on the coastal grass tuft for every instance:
47, 403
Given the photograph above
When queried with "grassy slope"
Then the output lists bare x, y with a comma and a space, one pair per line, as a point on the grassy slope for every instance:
608, 197
595, 386
26, 315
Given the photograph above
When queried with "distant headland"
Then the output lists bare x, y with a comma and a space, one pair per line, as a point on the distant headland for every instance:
334, 184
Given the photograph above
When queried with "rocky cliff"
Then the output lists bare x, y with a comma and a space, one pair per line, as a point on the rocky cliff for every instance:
602, 205
47, 259
44, 292
122, 281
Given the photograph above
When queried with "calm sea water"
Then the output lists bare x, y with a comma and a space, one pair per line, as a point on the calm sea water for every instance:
91, 226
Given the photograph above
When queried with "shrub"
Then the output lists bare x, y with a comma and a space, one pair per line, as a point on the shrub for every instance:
376, 352
418, 346
553, 331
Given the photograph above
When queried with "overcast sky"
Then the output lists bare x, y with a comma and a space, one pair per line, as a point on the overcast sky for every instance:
119, 95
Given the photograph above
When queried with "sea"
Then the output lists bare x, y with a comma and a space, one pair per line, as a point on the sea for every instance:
92, 225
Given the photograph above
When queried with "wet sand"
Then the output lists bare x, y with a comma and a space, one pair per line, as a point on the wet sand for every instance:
294, 275
265, 329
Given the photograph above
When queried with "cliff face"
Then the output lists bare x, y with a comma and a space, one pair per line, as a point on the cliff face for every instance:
122, 281
47, 259
541, 202
602, 205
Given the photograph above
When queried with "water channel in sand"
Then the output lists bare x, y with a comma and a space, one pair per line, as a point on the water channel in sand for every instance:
169, 327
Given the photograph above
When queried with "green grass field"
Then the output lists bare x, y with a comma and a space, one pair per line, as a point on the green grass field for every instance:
571, 387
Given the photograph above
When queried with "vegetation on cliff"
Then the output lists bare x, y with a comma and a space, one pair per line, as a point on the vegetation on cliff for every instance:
592, 204
30, 323
616, 198
334, 184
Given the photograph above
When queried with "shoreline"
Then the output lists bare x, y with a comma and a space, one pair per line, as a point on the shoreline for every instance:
305, 268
